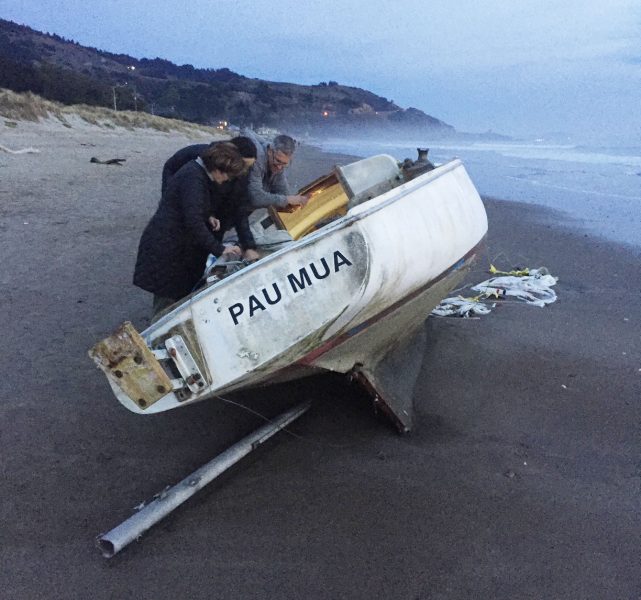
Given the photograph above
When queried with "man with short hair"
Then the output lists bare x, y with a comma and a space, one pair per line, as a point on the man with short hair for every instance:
268, 184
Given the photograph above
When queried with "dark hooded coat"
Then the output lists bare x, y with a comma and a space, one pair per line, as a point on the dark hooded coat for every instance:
178, 160
175, 244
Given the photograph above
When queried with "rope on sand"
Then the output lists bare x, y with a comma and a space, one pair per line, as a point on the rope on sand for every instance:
29, 150
532, 286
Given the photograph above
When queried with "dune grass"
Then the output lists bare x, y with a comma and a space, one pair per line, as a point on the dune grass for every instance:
31, 107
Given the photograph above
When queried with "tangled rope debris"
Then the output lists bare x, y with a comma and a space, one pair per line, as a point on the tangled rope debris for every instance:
462, 307
532, 286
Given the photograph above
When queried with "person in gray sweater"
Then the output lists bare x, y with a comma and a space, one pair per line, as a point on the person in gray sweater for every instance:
268, 184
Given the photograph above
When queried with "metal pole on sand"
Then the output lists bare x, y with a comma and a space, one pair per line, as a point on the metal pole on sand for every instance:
114, 541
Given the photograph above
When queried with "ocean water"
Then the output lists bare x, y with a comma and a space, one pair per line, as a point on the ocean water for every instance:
597, 189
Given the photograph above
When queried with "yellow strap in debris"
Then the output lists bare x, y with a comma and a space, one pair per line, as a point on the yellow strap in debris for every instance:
522, 273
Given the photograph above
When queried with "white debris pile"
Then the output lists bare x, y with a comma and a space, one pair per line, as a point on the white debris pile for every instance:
462, 307
533, 286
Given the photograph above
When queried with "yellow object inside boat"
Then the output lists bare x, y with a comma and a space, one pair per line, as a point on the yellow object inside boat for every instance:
327, 202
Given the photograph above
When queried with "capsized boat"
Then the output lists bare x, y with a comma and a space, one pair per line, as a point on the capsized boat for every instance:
346, 284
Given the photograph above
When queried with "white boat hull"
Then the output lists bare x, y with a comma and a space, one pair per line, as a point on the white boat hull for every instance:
339, 299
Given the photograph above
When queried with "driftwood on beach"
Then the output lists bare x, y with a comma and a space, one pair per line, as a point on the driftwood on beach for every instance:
109, 161
29, 150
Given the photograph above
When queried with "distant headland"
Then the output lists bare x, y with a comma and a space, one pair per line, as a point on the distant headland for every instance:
64, 71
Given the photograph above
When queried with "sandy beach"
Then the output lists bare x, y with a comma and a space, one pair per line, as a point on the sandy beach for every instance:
521, 478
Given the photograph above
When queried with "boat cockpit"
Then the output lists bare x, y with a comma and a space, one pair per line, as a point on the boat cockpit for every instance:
330, 197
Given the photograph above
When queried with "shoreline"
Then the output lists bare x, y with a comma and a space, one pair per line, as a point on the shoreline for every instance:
521, 478
315, 159
598, 192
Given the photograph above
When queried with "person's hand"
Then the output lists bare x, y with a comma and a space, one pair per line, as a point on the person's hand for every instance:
297, 200
214, 223
232, 252
251, 255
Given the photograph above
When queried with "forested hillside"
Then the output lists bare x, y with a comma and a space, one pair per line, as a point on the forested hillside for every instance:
63, 70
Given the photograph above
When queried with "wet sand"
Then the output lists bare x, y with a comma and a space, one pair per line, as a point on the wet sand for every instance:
521, 479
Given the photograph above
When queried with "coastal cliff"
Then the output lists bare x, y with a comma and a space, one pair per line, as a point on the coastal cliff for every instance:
65, 71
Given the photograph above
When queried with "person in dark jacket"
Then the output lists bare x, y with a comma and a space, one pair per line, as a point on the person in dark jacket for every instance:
177, 240
245, 146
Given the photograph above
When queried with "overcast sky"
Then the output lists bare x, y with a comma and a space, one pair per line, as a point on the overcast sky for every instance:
524, 67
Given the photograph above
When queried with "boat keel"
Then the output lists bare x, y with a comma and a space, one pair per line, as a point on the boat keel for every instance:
391, 381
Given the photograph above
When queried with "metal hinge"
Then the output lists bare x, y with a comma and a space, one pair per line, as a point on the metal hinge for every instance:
185, 363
